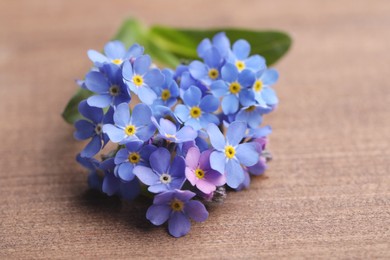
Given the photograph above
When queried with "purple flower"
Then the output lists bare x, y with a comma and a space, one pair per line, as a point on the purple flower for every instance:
199, 172
162, 175
92, 127
108, 86
140, 78
135, 153
177, 207
115, 52
130, 128
229, 154
168, 131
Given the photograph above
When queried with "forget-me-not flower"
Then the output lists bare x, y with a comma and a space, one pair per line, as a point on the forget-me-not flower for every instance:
197, 111
177, 207
229, 153
163, 175
140, 78
108, 85
130, 128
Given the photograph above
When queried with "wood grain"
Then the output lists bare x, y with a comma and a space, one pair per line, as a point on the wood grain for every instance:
326, 194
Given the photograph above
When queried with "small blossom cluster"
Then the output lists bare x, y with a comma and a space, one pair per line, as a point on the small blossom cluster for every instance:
188, 133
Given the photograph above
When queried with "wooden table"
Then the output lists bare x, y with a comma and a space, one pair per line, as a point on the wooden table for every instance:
326, 194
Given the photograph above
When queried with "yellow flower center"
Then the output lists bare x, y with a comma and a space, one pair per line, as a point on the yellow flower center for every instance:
240, 65
138, 80
195, 112
130, 130
170, 136
117, 61
199, 173
230, 151
134, 158
165, 94
114, 90
250, 109
235, 87
258, 86
177, 205
213, 73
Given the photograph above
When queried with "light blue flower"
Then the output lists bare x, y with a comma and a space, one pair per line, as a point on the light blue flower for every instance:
115, 53
239, 56
234, 88
208, 71
197, 110
108, 86
264, 94
140, 78
135, 153
168, 92
136, 127
229, 153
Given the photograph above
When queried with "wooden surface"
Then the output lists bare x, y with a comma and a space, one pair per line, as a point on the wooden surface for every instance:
326, 194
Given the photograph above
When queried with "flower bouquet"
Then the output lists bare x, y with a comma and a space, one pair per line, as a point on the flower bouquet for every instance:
181, 135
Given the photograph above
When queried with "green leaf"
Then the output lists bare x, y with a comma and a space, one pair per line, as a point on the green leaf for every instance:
71, 112
182, 42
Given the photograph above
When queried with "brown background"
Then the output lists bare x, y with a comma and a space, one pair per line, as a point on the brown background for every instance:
326, 194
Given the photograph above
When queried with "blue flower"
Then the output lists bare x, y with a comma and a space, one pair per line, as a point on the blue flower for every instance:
92, 127
177, 207
229, 154
169, 91
136, 127
208, 71
135, 153
115, 53
252, 115
219, 41
140, 78
234, 88
109, 86
239, 56
162, 175
112, 185
264, 94
168, 131
197, 111
95, 175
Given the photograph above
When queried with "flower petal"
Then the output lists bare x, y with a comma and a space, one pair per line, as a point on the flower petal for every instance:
114, 133
96, 82
229, 104
192, 157
236, 132
192, 96
142, 64
218, 161
92, 113
229, 72
234, 174
125, 171
178, 224
209, 103
158, 214
177, 167
101, 101
216, 137
92, 148
115, 50
147, 95
122, 115
197, 70
154, 78
247, 154
196, 211
241, 49
160, 160
141, 115
96, 57
145, 175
